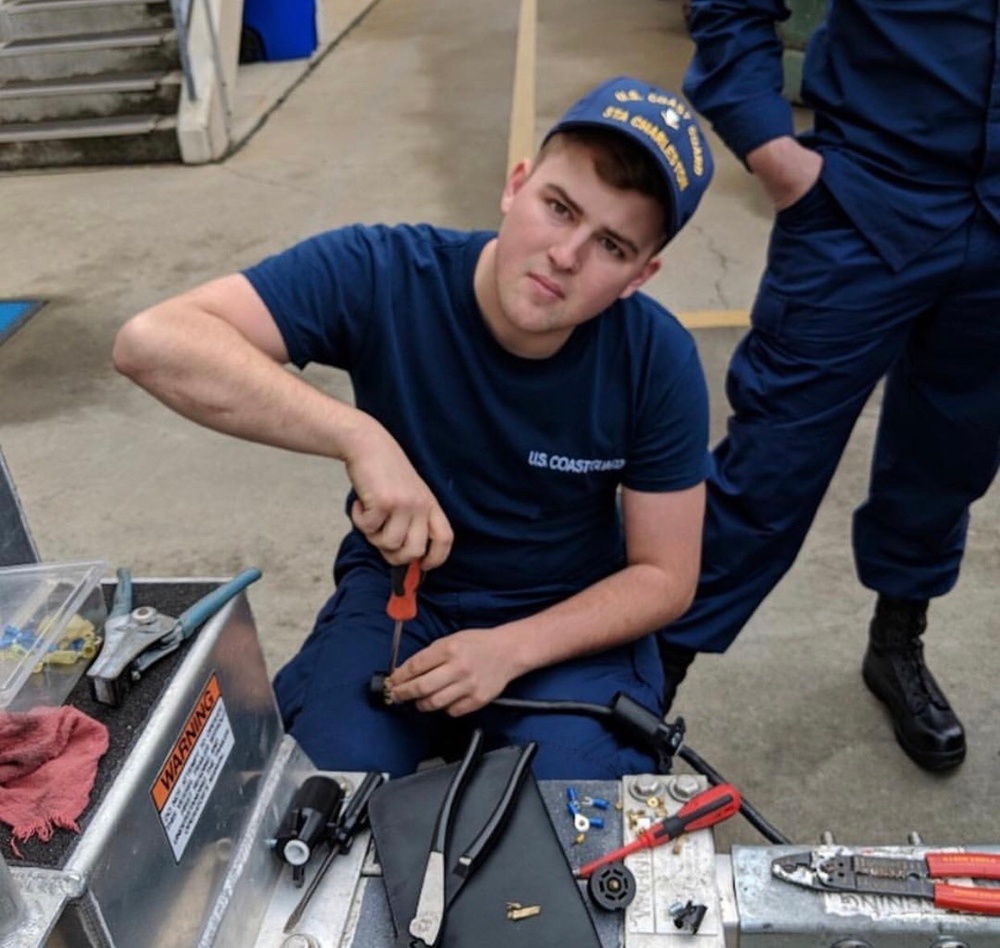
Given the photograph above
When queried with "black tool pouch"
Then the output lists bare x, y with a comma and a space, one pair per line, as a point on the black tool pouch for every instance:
526, 866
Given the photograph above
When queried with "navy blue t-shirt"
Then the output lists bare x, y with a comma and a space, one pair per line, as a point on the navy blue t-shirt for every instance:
524, 455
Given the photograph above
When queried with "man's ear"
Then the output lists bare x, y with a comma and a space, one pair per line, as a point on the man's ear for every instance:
515, 181
651, 268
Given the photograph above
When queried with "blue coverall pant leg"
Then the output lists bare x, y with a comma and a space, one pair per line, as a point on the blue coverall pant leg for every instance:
831, 319
323, 691
938, 444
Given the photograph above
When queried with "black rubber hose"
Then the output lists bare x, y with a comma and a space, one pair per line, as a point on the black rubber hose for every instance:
750, 813
752, 816
554, 707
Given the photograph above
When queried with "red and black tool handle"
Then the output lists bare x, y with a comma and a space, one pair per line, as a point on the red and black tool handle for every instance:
402, 605
706, 809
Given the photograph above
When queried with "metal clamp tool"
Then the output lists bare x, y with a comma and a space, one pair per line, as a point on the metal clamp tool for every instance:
134, 639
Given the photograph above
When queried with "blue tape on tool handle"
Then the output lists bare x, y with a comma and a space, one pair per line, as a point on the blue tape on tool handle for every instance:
122, 604
195, 616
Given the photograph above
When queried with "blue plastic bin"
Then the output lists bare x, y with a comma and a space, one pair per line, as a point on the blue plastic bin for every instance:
279, 29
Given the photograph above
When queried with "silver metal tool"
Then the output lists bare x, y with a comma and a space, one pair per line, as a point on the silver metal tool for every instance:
134, 639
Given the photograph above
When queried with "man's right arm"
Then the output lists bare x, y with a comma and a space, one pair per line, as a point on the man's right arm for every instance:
215, 355
735, 80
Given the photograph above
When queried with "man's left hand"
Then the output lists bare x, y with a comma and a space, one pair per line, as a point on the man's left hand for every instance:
458, 674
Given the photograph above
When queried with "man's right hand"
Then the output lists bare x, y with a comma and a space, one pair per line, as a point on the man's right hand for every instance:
786, 169
394, 508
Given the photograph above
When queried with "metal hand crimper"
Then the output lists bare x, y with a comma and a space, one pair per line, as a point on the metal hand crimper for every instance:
134, 639
899, 876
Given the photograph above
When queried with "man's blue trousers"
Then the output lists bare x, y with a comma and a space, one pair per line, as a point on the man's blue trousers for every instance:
323, 691
830, 321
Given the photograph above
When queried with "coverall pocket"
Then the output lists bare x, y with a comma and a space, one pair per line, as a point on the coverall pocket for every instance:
813, 206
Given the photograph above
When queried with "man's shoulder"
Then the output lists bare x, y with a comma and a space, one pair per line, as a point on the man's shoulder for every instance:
646, 321
416, 240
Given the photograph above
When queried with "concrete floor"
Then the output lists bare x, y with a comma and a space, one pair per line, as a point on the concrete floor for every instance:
406, 119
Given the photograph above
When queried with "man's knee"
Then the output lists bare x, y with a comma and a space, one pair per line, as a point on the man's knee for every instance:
363, 739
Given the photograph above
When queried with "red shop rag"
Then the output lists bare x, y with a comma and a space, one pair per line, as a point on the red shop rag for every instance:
48, 764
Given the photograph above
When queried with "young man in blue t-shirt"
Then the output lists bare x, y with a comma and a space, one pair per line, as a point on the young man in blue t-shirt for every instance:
506, 386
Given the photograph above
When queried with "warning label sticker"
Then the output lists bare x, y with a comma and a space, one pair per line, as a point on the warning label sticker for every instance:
192, 768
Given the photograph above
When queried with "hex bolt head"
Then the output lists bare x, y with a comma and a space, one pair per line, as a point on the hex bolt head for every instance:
646, 786
683, 787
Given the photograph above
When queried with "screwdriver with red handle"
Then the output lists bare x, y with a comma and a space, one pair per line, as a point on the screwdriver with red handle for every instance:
402, 604
709, 807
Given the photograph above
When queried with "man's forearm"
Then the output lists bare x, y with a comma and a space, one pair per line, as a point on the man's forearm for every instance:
203, 368
625, 606
215, 355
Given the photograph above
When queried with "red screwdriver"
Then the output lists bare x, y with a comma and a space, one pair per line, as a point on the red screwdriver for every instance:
709, 807
402, 604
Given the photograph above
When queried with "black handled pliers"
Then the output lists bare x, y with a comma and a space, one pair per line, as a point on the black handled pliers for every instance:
425, 927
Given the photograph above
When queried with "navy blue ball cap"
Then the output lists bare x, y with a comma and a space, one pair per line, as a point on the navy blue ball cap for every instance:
663, 123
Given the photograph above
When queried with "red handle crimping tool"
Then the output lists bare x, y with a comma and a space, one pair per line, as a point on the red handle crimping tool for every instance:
899, 876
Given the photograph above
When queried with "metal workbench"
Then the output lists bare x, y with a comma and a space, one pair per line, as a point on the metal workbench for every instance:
174, 850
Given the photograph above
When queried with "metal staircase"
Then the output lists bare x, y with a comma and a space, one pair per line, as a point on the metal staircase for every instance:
88, 82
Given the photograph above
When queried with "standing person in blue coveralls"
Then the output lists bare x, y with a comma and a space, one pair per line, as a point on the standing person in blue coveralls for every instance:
884, 262
506, 385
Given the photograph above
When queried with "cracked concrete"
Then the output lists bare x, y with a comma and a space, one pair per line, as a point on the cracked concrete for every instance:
406, 119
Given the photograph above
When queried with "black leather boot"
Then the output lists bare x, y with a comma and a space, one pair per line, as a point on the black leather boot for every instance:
894, 671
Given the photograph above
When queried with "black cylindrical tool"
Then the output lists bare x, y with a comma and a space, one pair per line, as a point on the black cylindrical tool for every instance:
352, 820
309, 821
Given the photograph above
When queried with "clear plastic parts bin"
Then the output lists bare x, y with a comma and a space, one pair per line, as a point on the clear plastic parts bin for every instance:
51, 623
